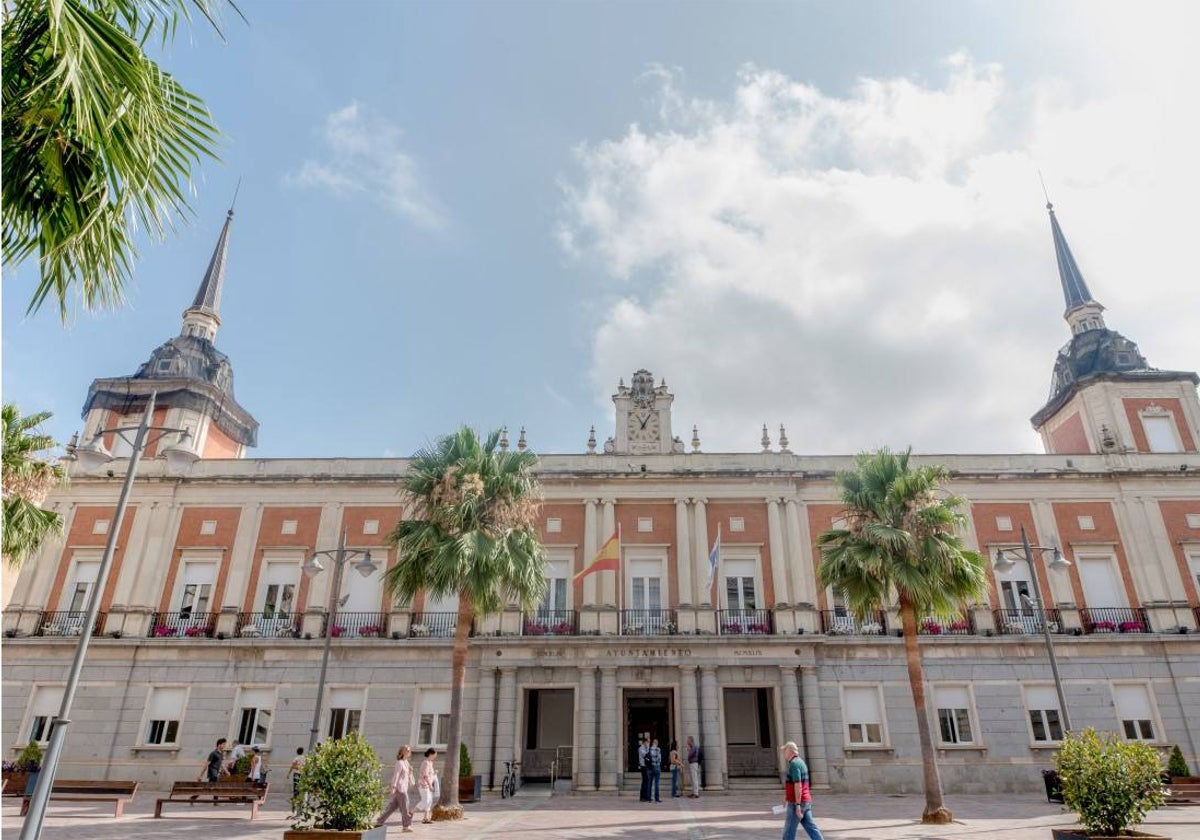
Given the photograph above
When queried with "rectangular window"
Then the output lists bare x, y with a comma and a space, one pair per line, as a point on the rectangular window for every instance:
280, 593
345, 711
554, 525
1087, 523
954, 713
737, 524
740, 585
100, 526
208, 527
196, 593
86, 572
1004, 523
1193, 558
645, 524
555, 599
864, 721
370, 526
164, 712
645, 585
1160, 434
433, 723
288, 526
1045, 723
1134, 711
257, 706
43, 710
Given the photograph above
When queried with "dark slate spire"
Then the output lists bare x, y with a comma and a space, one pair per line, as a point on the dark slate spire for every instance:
208, 296
1075, 290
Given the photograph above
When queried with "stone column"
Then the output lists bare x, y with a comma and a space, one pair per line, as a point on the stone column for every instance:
150, 541
590, 596
778, 558
610, 744
714, 750
481, 750
793, 720
814, 726
608, 587
683, 553
506, 720
585, 732
804, 577
703, 596
689, 707
241, 557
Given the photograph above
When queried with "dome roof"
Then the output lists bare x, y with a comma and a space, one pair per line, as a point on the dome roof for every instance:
189, 357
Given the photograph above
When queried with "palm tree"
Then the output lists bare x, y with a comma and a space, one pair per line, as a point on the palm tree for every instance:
27, 479
901, 536
98, 141
472, 534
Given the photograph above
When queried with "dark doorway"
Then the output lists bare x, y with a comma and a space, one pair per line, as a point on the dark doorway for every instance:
749, 730
549, 733
646, 711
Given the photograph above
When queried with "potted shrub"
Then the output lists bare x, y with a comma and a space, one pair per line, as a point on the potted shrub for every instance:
21, 775
339, 793
467, 783
1177, 769
1109, 783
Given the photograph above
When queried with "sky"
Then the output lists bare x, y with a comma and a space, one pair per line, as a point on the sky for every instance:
821, 215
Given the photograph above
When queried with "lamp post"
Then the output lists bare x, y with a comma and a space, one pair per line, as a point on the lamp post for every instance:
1005, 563
312, 567
90, 456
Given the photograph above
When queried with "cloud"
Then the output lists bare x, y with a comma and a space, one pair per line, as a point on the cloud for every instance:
872, 268
363, 157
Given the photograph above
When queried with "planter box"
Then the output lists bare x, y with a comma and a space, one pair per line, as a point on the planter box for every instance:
466, 788
325, 834
1080, 834
14, 783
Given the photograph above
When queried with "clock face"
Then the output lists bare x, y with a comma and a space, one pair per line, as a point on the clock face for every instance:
643, 428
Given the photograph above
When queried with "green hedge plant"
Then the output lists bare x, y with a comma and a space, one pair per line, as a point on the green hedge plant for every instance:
464, 761
1109, 783
339, 786
1176, 766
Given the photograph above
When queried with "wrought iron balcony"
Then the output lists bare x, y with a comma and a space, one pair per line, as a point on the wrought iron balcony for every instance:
657, 622
551, 623
963, 625
268, 625
745, 622
66, 623
1114, 620
433, 624
357, 625
183, 624
1024, 622
841, 623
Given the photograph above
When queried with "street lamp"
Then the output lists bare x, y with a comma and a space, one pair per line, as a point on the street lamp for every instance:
90, 456
312, 567
1005, 563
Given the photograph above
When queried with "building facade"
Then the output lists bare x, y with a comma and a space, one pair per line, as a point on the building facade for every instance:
210, 628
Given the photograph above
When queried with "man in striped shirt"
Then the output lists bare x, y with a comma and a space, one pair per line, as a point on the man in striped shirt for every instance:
797, 796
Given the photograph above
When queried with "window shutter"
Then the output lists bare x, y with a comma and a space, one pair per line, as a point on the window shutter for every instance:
86, 571
258, 698
346, 698
199, 573
952, 697
167, 703
862, 704
47, 700
435, 701
1040, 697
1132, 701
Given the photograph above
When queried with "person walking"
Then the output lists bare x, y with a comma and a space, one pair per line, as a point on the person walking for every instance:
402, 777
644, 767
426, 783
693, 761
676, 771
254, 775
797, 796
654, 758
294, 770
214, 764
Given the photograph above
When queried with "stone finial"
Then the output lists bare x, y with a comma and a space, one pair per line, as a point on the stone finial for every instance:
766, 439
504, 438
783, 440
591, 444
695, 438
521, 444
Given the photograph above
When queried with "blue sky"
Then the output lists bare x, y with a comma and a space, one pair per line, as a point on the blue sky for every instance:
825, 215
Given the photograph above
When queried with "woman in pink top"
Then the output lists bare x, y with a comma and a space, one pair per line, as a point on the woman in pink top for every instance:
426, 780
401, 781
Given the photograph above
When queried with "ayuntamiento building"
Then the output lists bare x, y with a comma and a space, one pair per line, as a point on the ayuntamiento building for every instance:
209, 627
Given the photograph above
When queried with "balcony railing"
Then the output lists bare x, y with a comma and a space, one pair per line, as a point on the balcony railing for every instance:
1114, 620
433, 624
357, 625
272, 625
66, 624
551, 623
963, 625
185, 624
656, 622
1020, 622
841, 623
1196, 615
745, 623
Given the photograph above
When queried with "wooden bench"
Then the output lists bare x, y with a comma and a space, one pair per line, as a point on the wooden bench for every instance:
1184, 794
218, 793
85, 790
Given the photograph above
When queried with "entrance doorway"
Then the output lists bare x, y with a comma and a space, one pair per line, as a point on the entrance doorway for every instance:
749, 732
549, 733
648, 711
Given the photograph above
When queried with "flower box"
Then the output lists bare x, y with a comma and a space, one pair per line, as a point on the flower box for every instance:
1131, 627
419, 630
337, 631
369, 631
162, 631
931, 627
193, 632
532, 628
1103, 627
960, 626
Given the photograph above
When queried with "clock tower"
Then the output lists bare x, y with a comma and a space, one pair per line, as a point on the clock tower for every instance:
643, 417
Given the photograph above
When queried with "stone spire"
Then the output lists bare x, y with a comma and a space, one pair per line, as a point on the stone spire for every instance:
1083, 311
203, 318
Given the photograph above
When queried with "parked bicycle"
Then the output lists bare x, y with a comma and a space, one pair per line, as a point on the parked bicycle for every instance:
512, 779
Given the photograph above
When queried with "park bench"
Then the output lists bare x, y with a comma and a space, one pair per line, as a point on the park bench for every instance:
218, 793
85, 790
1184, 794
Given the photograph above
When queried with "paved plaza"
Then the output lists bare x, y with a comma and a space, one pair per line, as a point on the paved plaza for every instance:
535, 815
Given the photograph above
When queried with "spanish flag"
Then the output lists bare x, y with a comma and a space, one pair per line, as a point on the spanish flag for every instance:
607, 559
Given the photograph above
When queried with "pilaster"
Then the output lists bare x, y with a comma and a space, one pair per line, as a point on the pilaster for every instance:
814, 727
590, 595
585, 759
481, 756
793, 719
683, 553
714, 750
778, 561
610, 744
608, 586
703, 596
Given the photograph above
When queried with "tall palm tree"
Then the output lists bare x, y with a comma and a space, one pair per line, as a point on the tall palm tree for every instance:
901, 536
98, 141
473, 534
27, 478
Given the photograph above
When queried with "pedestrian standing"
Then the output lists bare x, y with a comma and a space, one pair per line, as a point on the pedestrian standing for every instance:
254, 775
294, 770
655, 760
426, 782
676, 772
797, 796
402, 777
644, 767
693, 761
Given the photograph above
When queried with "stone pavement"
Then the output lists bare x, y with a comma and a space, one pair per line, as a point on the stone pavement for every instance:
535, 815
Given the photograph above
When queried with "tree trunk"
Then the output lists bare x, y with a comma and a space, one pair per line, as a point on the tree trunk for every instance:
935, 809
458, 678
